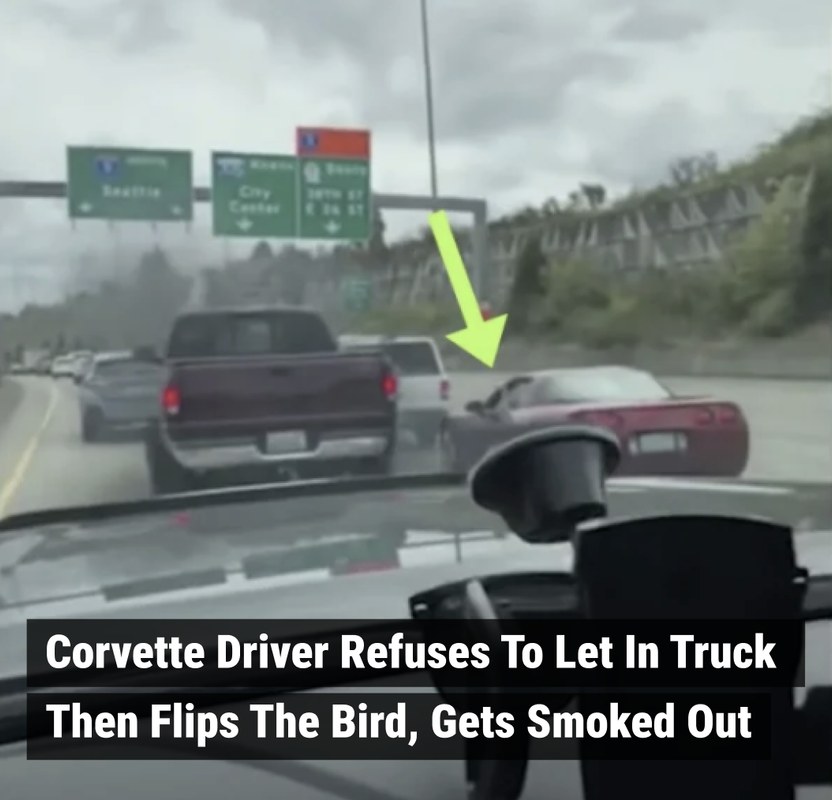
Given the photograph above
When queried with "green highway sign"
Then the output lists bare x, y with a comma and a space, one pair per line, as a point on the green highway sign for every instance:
357, 294
129, 184
254, 195
335, 199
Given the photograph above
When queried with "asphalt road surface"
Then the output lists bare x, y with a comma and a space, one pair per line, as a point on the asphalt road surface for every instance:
44, 463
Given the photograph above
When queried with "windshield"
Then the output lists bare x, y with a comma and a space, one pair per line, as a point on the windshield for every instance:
199, 199
413, 359
124, 370
160, 562
238, 334
615, 385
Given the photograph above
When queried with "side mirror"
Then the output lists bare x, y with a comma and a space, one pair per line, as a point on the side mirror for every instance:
475, 407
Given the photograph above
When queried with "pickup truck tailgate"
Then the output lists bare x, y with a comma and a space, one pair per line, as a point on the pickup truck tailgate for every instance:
220, 398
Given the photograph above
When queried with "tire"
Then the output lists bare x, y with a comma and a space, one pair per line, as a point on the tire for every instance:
377, 467
166, 475
92, 426
448, 458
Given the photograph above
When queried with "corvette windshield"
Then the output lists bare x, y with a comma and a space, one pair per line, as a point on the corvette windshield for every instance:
590, 386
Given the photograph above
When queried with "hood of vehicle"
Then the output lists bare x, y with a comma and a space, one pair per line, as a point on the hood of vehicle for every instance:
320, 596
314, 595
262, 780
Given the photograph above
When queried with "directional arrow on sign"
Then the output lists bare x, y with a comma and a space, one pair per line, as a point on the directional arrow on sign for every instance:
176, 210
244, 224
332, 227
85, 208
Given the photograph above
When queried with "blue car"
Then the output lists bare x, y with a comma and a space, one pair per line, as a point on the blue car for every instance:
119, 391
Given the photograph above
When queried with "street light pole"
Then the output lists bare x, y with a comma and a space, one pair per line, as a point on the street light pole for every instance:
429, 98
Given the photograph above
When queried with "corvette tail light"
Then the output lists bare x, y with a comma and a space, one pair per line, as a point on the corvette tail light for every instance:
704, 416
603, 419
717, 415
727, 415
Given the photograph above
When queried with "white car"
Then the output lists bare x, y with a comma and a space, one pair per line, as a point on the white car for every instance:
81, 363
63, 367
424, 388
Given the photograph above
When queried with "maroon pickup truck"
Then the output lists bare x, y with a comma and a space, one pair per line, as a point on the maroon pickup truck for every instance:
263, 395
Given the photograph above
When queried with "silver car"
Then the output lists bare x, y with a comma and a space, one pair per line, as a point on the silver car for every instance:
118, 392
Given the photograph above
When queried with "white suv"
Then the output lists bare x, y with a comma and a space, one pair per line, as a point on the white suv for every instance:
424, 389
62, 366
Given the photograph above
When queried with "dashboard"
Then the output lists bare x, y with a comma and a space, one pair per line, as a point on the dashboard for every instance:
680, 567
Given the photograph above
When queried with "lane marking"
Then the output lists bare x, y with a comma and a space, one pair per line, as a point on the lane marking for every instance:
671, 484
12, 485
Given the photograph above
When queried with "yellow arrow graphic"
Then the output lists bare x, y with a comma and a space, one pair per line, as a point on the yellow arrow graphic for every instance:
479, 338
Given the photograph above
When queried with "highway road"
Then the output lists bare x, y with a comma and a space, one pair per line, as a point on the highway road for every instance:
44, 464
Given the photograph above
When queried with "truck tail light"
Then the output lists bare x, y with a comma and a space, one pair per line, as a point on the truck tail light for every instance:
445, 389
171, 400
390, 385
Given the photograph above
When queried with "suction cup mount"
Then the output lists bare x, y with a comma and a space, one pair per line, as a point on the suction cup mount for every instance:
545, 483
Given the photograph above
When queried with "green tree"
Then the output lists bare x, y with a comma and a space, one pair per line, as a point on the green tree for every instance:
262, 252
573, 288
291, 271
528, 287
813, 289
378, 253
762, 266
595, 195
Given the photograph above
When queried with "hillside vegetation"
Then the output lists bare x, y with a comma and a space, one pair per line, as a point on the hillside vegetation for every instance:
774, 279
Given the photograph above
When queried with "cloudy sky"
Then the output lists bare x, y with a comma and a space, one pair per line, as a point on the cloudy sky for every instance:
532, 97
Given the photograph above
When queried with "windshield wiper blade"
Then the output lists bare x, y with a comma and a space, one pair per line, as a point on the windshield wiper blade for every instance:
238, 495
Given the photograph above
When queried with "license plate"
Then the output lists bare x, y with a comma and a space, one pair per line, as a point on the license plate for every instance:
650, 443
285, 442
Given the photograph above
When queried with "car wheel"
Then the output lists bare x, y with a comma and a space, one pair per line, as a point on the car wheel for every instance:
166, 475
168, 479
448, 459
92, 424
381, 466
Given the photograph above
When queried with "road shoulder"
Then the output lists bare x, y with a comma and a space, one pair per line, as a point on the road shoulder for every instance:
11, 393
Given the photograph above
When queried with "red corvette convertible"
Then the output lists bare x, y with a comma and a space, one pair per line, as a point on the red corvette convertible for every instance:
661, 434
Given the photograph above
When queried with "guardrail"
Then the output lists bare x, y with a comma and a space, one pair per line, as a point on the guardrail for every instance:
761, 361
455, 539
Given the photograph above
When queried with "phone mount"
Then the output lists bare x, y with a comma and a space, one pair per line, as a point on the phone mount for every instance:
545, 483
